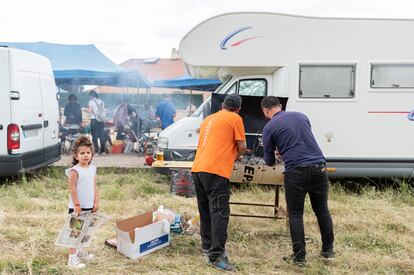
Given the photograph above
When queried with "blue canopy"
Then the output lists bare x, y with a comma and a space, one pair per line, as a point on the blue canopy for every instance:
187, 82
82, 64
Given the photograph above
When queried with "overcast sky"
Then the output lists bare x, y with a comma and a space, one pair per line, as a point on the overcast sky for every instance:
124, 29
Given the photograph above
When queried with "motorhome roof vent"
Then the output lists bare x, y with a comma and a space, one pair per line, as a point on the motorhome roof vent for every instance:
151, 60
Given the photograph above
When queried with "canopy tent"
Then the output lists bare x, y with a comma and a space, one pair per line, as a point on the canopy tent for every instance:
187, 82
83, 65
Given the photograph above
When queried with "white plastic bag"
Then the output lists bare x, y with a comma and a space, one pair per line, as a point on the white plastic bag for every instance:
164, 214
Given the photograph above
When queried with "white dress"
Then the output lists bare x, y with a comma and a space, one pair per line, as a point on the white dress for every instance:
85, 185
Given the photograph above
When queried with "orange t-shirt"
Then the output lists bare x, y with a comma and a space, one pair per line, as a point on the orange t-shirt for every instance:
217, 146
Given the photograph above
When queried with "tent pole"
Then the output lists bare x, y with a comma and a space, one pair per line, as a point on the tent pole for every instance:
136, 97
191, 95
60, 112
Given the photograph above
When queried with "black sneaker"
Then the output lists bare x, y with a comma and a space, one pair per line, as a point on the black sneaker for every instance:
328, 254
205, 252
297, 261
222, 264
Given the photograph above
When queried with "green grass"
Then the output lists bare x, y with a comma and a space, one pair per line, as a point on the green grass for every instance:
374, 228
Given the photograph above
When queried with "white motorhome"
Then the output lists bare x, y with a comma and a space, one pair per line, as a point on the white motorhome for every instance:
354, 79
29, 115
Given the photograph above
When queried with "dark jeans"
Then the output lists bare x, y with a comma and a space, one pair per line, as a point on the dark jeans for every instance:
310, 179
98, 132
213, 195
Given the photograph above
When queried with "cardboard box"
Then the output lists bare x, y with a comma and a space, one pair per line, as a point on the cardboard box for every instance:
139, 236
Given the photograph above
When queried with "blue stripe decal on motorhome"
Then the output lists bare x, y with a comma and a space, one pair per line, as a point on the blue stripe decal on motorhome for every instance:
411, 116
153, 243
227, 38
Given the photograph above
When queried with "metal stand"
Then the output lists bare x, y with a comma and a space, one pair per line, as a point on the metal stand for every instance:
245, 174
275, 206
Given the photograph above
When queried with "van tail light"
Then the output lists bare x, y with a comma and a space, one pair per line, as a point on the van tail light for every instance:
13, 137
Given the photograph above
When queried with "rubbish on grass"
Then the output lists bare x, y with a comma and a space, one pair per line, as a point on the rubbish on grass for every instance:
177, 225
194, 221
164, 214
193, 224
182, 183
111, 243
176, 221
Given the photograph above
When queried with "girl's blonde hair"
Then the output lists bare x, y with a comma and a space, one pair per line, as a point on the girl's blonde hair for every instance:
81, 141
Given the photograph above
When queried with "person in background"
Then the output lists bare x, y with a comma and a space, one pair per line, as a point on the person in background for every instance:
146, 120
222, 141
290, 135
135, 125
72, 111
166, 112
151, 114
151, 110
121, 118
83, 192
96, 109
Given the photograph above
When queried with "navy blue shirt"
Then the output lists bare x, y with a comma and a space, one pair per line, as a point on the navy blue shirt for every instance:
165, 111
291, 134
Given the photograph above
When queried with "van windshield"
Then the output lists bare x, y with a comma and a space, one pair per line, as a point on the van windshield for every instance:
199, 111
219, 90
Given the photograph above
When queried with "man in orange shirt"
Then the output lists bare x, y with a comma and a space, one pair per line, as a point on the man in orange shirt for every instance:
222, 141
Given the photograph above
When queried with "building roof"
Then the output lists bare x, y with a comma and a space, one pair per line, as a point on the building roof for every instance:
156, 68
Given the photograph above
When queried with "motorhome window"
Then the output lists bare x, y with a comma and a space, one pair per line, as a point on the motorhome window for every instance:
392, 75
253, 87
232, 89
327, 81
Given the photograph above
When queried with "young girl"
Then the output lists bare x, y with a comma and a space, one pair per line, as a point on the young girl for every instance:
83, 191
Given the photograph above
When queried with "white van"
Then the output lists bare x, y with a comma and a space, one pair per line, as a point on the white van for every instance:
354, 79
29, 114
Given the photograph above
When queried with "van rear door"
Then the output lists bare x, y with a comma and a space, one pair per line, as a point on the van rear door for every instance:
26, 111
4, 99
50, 110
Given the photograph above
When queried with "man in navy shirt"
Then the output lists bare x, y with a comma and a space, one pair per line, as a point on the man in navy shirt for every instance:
166, 112
289, 134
